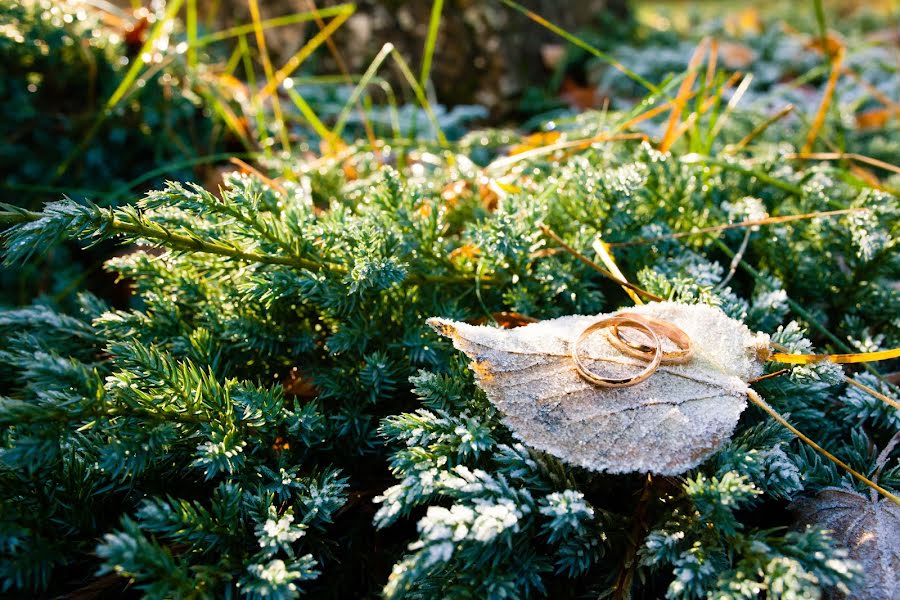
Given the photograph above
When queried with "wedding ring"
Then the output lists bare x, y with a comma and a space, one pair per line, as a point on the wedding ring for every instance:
631, 320
663, 329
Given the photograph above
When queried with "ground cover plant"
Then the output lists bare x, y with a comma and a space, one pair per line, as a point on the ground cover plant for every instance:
272, 416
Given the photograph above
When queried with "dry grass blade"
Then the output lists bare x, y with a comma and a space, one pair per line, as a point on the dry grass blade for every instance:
582, 143
840, 359
758, 401
759, 129
267, 69
727, 226
874, 162
577, 41
342, 67
609, 275
681, 97
284, 21
297, 59
872, 392
602, 250
819, 120
248, 168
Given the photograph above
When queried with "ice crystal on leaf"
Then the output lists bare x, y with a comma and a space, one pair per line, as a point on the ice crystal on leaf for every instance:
666, 424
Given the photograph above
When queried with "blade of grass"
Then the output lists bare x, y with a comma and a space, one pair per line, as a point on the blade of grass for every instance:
434, 24
739, 92
823, 26
819, 120
575, 40
360, 88
250, 74
681, 97
127, 81
609, 275
292, 19
226, 114
297, 59
191, 29
742, 224
420, 96
233, 61
764, 177
602, 250
759, 129
342, 67
308, 113
633, 116
270, 74
172, 9
693, 118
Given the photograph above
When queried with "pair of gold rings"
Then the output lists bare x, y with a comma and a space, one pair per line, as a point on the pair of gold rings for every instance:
655, 355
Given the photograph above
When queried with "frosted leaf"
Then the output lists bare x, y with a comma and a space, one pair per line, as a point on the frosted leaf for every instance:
666, 424
869, 529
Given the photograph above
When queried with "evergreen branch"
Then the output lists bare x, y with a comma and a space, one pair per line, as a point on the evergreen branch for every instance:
107, 223
29, 230
803, 313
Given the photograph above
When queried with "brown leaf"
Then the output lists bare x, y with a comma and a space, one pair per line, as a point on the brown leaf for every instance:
869, 529
875, 118
667, 424
296, 384
735, 55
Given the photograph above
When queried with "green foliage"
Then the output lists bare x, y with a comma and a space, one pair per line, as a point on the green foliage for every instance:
204, 476
59, 64
225, 435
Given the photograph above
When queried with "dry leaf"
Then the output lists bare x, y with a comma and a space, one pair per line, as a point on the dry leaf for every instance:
875, 118
868, 528
667, 424
736, 55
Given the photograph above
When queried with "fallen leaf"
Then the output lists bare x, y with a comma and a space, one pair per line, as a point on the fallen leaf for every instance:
875, 118
868, 528
667, 424
735, 55
581, 97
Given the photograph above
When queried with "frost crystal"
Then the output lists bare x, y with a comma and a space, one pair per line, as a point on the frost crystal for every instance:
277, 531
667, 424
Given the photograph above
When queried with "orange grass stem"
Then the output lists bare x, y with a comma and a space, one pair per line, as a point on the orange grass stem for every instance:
757, 400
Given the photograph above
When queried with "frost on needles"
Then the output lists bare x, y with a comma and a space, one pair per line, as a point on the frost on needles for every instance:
176, 432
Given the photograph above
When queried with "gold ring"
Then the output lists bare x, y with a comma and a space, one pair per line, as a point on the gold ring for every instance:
632, 320
662, 328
